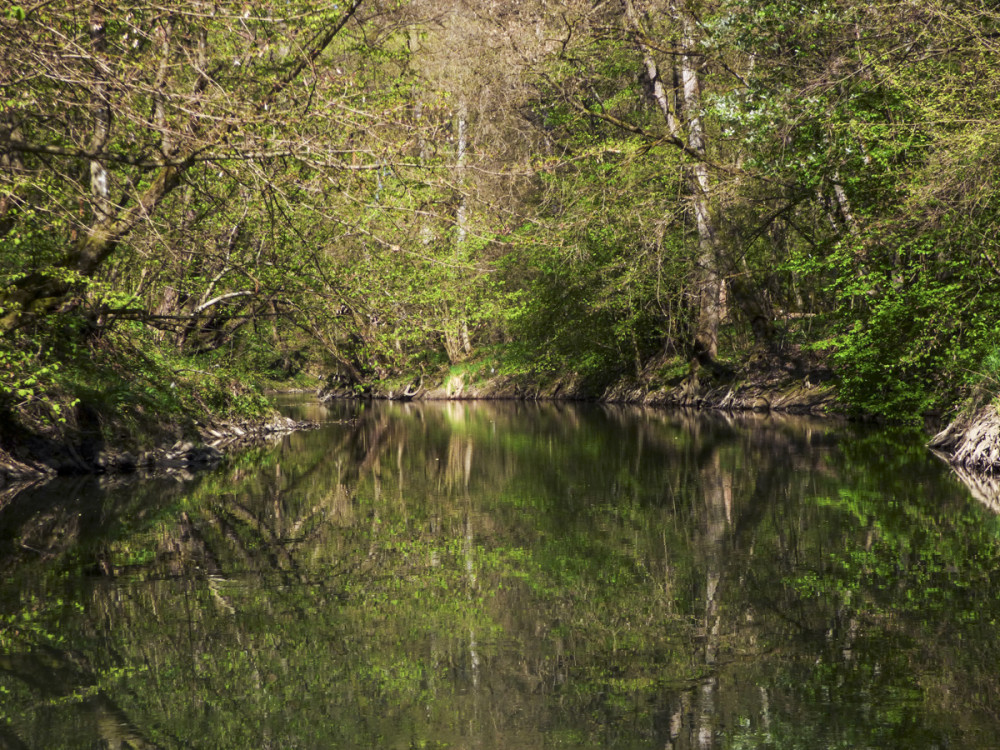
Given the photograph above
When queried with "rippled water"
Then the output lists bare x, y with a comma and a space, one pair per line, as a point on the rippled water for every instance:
498, 575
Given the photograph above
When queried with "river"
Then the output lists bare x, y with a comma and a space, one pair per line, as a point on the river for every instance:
510, 575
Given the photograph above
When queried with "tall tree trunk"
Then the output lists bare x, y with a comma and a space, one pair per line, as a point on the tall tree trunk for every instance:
708, 277
462, 118
457, 340
100, 179
680, 117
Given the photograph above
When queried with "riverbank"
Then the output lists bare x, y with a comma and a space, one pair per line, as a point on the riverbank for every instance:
98, 440
30, 457
122, 402
802, 387
970, 443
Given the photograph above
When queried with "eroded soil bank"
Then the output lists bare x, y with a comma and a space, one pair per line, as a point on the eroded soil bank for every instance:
972, 441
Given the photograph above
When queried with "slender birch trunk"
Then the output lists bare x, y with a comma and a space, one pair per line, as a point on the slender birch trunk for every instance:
708, 278
457, 340
100, 180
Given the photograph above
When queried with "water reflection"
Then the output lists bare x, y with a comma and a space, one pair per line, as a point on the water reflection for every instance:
984, 487
500, 575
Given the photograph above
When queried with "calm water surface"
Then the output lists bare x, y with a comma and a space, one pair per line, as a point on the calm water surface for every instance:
494, 575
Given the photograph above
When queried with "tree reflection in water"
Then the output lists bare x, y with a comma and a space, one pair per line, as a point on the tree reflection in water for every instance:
510, 575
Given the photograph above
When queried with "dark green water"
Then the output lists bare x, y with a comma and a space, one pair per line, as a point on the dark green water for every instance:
510, 576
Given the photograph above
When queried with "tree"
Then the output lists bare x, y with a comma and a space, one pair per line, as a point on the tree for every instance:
107, 114
868, 119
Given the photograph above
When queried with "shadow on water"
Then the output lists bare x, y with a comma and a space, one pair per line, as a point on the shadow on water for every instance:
510, 575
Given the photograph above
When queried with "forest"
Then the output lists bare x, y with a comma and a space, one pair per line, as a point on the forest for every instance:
200, 200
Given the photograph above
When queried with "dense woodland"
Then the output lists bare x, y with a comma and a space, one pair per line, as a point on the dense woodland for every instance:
197, 198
